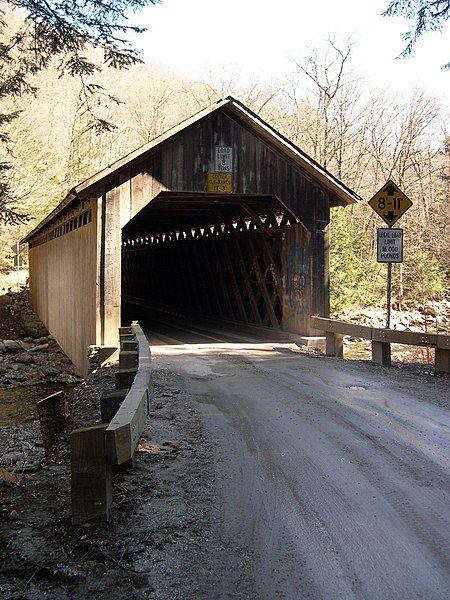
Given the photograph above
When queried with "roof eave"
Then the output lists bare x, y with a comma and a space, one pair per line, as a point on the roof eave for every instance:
343, 194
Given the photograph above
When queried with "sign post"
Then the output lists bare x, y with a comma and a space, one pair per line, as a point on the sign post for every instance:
389, 250
390, 203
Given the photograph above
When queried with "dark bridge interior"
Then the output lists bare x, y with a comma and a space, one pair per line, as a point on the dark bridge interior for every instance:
206, 255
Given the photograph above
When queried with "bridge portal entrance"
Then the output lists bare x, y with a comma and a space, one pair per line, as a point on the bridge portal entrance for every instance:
236, 258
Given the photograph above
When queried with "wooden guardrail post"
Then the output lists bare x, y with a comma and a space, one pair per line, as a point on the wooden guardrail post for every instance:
334, 344
124, 378
53, 412
129, 346
110, 404
442, 354
381, 353
128, 360
91, 478
95, 450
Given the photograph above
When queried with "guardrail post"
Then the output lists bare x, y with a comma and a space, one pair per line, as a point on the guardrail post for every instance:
124, 378
53, 412
334, 344
110, 404
91, 479
381, 353
128, 360
129, 346
442, 360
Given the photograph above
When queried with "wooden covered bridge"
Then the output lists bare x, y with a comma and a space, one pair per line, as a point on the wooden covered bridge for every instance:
221, 216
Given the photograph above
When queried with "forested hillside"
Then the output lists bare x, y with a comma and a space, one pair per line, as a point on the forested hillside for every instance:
363, 136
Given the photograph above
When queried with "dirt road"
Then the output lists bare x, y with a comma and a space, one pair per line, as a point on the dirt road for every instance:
331, 477
262, 473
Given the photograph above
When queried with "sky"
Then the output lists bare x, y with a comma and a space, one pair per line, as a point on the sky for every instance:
261, 38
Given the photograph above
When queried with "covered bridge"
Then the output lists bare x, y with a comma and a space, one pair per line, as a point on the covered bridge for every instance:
221, 216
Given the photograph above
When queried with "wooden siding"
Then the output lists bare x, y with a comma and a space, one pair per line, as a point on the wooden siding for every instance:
183, 162
63, 288
297, 279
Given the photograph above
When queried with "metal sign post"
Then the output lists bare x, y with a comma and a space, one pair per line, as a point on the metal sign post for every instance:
388, 295
389, 250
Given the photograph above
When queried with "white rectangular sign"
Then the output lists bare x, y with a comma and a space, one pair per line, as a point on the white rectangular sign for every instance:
223, 159
390, 245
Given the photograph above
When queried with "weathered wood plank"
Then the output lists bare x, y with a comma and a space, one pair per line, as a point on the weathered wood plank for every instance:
404, 337
442, 360
91, 478
443, 342
110, 404
53, 412
122, 434
63, 284
334, 345
336, 326
381, 353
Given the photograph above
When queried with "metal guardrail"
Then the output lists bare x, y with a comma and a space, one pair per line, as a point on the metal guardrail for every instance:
95, 450
381, 340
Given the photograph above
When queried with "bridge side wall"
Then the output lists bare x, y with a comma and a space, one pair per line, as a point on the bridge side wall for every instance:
63, 283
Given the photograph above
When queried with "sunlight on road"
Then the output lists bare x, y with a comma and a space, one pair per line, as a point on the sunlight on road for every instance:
261, 351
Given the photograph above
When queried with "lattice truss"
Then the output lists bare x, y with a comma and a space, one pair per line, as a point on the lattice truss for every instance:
231, 270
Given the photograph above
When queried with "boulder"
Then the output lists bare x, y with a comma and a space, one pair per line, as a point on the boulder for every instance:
51, 371
37, 348
25, 345
24, 358
11, 458
11, 346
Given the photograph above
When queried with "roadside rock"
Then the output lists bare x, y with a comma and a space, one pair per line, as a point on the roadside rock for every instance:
51, 372
25, 345
38, 348
24, 358
11, 458
11, 346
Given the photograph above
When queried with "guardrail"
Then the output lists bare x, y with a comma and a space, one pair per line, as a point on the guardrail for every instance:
95, 450
381, 340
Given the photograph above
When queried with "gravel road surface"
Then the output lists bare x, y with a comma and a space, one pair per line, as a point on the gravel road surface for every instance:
331, 477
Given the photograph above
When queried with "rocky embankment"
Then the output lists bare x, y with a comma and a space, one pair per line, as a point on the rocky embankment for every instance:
29, 355
31, 361
433, 318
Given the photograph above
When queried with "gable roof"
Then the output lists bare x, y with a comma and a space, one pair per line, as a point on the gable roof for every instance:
343, 194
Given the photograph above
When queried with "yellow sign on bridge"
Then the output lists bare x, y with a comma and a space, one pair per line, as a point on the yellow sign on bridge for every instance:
221, 183
390, 203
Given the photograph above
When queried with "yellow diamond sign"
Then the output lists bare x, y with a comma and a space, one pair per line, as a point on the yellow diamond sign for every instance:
390, 203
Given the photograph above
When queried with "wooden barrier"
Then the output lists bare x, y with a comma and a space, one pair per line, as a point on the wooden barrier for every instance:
123, 432
91, 477
381, 340
53, 413
94, 450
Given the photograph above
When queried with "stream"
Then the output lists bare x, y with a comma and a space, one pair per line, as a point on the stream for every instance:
18, 405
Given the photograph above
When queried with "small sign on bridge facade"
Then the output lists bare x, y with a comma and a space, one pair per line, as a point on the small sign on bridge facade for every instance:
223, 159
